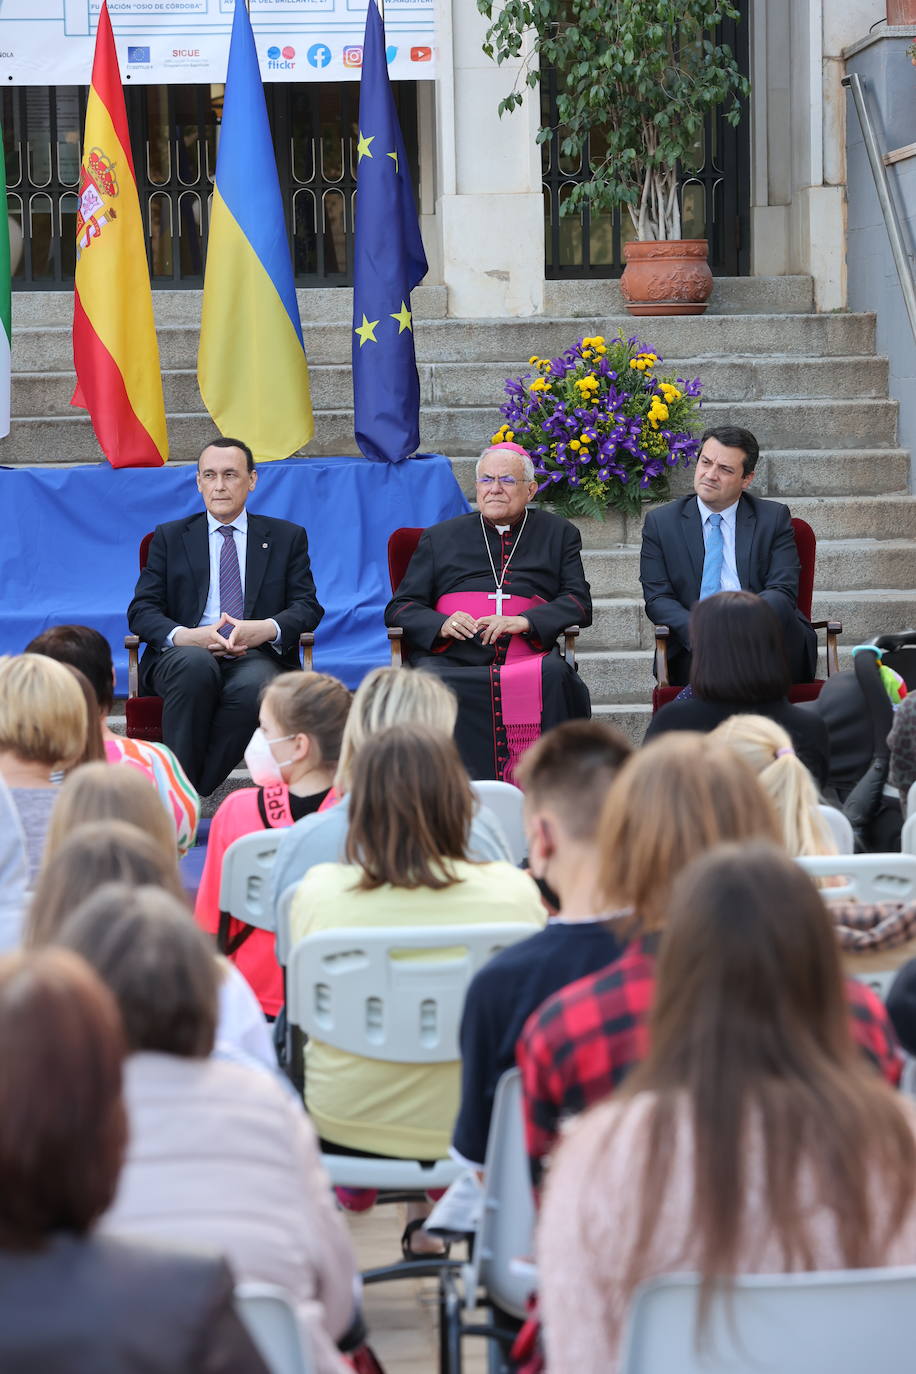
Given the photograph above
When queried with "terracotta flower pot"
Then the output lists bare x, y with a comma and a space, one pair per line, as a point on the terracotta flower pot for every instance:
668, 277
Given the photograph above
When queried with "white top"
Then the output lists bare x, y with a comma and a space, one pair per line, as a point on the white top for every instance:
730, 580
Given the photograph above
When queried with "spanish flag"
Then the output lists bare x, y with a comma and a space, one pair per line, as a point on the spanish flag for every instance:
115, 352
251, 364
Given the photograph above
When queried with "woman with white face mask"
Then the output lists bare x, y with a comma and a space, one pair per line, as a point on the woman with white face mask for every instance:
292, 758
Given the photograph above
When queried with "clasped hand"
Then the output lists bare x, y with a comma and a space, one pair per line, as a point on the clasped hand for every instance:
246, 634
491, 627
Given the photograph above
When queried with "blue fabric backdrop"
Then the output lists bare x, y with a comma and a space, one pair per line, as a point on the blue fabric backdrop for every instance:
68, 552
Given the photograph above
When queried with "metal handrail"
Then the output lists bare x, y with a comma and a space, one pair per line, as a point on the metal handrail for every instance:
888, 210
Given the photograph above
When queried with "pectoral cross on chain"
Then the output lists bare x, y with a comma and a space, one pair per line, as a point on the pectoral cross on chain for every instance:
499, 596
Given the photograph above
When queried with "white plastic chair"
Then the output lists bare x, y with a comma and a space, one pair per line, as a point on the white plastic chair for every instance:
846, 1322
505, 1238
244, 889
869, 877
840, 829
268, 1314
354, 990
505, 801
911, 800
908, 836
282, 912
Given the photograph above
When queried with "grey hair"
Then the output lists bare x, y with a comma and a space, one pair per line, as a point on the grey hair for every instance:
523, 458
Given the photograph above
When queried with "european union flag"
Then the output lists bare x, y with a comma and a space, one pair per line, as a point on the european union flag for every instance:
389, 262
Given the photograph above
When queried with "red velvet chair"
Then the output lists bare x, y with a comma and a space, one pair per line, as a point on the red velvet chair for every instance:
401, 546
806, 544
143, 715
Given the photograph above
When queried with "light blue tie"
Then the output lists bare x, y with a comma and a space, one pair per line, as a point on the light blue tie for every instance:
712, 563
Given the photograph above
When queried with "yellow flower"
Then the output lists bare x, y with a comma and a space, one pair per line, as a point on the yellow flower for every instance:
496, 438
575, 445
510, 435
584, 440
633, 363
539, 384
533, 360
661, 412
598, 339
600, 349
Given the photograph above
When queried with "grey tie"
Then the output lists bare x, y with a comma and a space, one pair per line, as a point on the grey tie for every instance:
231, 600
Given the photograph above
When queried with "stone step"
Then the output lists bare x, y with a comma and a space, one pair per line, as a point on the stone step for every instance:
481, 384
868, 517
317, 305
842, 564
837, 424
730, 296
620, 622
511, 342
623, 677
632, 720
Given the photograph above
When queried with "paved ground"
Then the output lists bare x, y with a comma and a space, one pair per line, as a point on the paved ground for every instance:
402, 1315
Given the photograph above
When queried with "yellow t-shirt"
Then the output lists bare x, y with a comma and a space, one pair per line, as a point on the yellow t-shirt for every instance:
402, 1110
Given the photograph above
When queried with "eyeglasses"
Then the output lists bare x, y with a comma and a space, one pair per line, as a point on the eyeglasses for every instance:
509, 482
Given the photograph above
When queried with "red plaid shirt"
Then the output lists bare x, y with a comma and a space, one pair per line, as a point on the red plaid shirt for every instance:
584, 1040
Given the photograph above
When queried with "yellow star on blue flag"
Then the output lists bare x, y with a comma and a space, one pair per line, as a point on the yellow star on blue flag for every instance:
388, 263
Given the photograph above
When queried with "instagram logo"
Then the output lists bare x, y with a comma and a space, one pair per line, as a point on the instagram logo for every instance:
353, 56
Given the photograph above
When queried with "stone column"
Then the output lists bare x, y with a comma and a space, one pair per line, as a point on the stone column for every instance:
489, 207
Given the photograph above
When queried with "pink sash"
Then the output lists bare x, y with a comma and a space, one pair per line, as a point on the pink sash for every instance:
521, 704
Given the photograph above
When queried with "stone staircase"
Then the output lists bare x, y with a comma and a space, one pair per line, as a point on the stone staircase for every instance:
810, 387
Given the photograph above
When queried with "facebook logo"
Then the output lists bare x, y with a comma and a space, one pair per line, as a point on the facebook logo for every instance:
138, 55
319, 55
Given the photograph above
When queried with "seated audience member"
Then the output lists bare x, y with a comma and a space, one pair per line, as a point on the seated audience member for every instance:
902, 741
105, 851
406, 867
386, 696
98, 792
753, 1139
739, 664
482, 602
292, 757
723, 539
670, 802
89, 652
94, 749
14, 873
565, 777
219, 1155
43, 726
221, 604
72, 1299
769, 751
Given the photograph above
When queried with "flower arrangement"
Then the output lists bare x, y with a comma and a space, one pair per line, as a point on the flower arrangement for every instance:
603, 429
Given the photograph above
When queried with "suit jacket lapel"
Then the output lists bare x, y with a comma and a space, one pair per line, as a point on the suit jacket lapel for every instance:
258, 553
745, 525
693, 536
195, 537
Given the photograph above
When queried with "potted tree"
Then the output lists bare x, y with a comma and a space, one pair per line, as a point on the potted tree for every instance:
644, 73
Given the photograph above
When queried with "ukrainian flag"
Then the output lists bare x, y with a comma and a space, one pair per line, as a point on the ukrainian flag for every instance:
251, 364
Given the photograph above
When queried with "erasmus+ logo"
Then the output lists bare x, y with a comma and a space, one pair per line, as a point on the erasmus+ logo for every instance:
280, 59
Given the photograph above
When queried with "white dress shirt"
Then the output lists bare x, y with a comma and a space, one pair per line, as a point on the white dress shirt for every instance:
730, 580
212, 609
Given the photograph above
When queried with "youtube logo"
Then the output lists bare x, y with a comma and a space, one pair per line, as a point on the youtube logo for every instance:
421, 54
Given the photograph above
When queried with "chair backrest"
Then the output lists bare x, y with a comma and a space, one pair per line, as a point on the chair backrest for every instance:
282, 912
390, 994
144, 548
840, 829
268, 1314
506, 802
806, 545
244, 889
402, 544
506, 1231
846, 1322
869, 877
908, 834
911, 800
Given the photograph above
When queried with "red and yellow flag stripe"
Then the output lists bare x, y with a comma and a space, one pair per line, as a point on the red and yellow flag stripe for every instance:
115, 351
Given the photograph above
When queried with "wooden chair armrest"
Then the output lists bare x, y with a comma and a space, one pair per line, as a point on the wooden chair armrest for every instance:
833, 629
662, 634
306, 645
569, 644
132, 645
396, 640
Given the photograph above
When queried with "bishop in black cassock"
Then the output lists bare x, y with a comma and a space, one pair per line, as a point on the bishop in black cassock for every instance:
511, 572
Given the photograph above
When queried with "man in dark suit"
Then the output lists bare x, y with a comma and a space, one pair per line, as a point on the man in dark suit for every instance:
723, 539
221, 604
